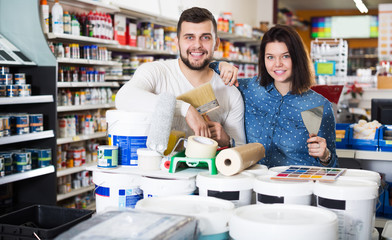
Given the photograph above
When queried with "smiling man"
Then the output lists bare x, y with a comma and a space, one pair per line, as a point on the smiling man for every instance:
196, 40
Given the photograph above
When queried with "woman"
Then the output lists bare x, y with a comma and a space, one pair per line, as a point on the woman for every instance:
275, 99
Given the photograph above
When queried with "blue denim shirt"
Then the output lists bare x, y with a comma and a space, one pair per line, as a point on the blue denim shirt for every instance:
275, 121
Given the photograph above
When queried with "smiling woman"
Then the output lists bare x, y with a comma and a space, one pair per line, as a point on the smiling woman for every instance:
275, 99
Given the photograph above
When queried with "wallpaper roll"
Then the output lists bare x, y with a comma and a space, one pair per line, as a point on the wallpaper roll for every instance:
233, 160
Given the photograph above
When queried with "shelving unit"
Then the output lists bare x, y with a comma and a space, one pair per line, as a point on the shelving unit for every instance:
79, 138
74, 192
85, 107
37, 186
87, 84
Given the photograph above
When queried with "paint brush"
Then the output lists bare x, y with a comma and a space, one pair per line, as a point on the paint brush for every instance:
202, 98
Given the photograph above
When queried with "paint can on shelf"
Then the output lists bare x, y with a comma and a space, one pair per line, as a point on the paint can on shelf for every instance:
128, 131
22, 161
161, 187
115, 191
288, 192
354, 201
2, 167
107, 156
213, 214
236, 188
283, 221
36, 122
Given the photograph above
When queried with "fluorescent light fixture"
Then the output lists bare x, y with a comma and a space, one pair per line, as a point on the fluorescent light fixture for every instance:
361, 6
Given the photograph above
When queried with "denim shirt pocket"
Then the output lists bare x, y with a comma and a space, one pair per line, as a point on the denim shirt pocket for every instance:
293, 133
255, 120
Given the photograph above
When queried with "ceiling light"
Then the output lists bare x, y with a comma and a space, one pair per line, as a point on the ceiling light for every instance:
361, 6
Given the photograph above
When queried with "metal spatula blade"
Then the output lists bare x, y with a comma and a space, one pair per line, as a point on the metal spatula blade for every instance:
312, 119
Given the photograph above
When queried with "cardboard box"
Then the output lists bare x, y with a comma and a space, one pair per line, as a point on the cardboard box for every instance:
384, 82
120, 29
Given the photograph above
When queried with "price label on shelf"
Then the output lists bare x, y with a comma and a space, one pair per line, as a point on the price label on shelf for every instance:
76, 138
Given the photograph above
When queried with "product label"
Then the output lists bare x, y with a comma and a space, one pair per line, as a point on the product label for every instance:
127, 148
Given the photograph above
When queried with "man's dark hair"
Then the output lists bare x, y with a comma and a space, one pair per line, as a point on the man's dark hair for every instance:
196, 15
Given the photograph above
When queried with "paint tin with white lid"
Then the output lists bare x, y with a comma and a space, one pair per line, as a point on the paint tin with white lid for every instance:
354, 201
283, 221
236, 188
162, 187
361, 175
276, 170
283, 191
213, 213
257, 170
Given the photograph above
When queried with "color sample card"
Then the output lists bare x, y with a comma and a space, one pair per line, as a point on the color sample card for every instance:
310, 173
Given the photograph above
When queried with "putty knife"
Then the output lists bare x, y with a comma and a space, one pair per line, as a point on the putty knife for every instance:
312, 119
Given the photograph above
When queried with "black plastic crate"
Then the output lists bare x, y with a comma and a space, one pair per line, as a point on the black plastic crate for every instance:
45, 221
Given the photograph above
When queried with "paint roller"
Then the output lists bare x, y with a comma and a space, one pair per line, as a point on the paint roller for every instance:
233, 160
161, 123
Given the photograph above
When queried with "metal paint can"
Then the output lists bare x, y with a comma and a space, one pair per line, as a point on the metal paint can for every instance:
4, 70
6, 126
1, 127
3, 91
8, 166
107, 156
2, 167
24, 90
6, 79
36, 122
22, 161
44, 157
19, 78
12, 90
21, 124
34, 156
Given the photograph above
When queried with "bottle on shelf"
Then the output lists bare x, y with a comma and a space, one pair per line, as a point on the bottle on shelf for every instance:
44, 15
67, 22
75, 26
57, 18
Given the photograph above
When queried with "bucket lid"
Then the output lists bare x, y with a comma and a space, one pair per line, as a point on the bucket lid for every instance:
117, 115
167, 185
283, 221
347, 189
275, 170
213, 213
362, 174
268, 186
257, 170
220, 182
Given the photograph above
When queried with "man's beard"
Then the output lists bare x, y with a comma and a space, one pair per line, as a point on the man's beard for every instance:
192, 67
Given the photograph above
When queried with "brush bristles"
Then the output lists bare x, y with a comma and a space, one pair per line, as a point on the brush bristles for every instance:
199, 96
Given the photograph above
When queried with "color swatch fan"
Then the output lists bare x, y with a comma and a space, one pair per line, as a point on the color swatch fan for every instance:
309, 173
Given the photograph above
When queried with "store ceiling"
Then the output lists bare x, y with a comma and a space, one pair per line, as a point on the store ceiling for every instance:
327, 4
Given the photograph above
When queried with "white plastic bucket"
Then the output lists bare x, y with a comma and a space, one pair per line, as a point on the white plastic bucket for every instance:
277, 191
257, 170
213, 213
283, 221
114, 191
236, 188
354, 201
362, 174
160, 187
128, 131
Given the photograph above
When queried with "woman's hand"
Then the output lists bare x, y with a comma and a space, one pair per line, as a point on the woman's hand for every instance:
318, 147
228, 73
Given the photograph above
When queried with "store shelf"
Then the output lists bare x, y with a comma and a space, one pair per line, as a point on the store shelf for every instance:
138, 50
29, 174
235, 60
364, 155
85, 107
26, 137
145, 16
79, 138
91, 206
86, 84
237, 38
117, 78
75, 192
87, 62
91, 5
24, 100
69, 171
80, 39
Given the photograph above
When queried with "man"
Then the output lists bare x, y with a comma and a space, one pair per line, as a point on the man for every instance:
196, 40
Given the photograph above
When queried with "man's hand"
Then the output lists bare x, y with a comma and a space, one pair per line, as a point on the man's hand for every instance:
219, 134
228, 73
196, 122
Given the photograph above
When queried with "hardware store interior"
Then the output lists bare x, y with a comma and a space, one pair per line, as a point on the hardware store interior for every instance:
180, 119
